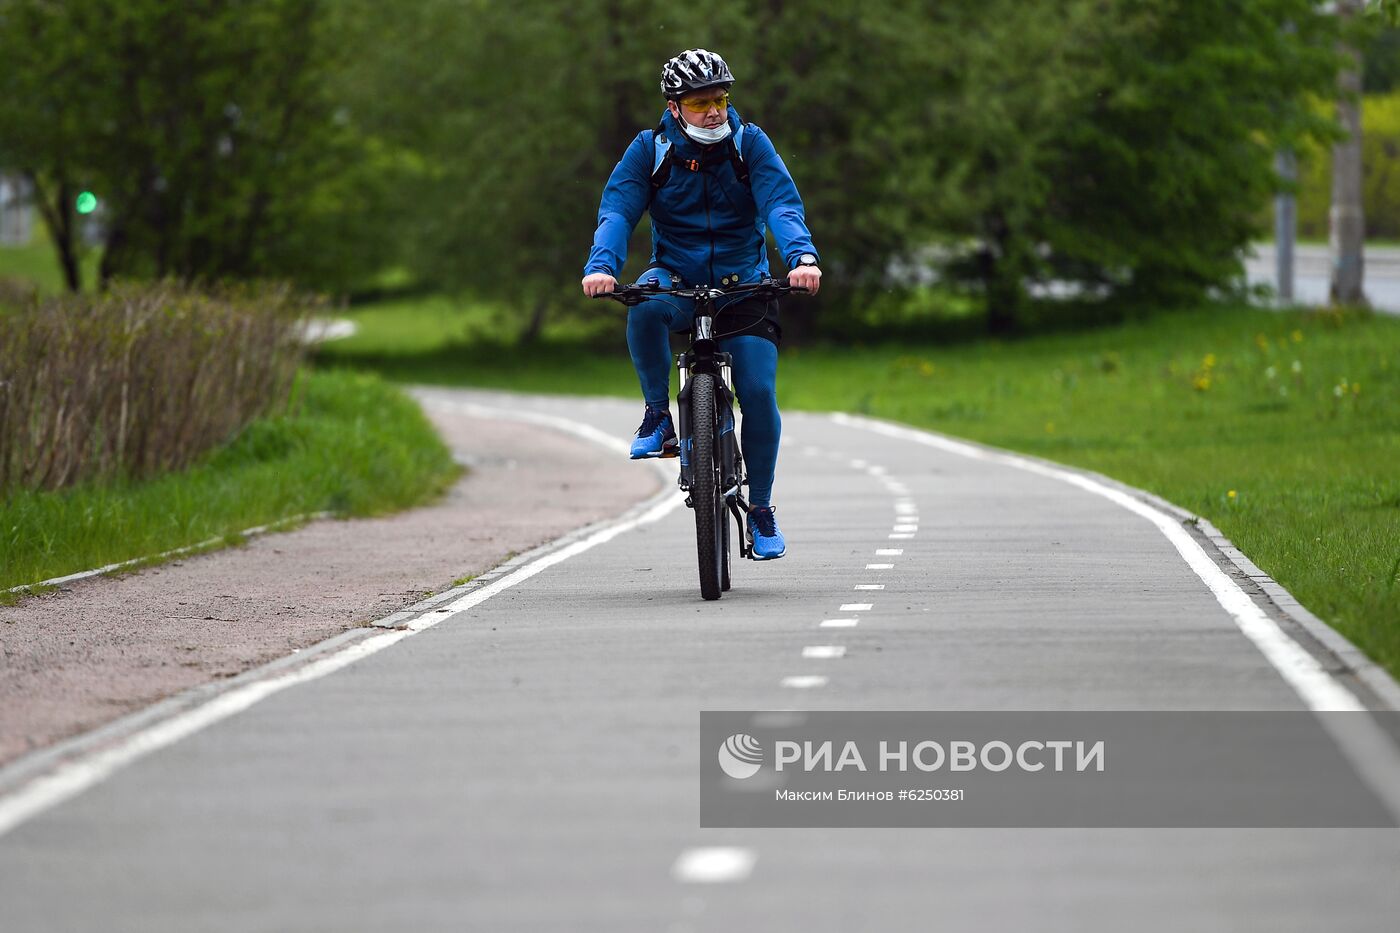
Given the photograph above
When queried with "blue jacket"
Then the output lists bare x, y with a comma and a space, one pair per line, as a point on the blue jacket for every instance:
705, 225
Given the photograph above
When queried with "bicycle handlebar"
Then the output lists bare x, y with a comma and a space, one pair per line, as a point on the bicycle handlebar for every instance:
763, 288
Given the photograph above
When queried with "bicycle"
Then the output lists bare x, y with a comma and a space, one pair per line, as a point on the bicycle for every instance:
712, 465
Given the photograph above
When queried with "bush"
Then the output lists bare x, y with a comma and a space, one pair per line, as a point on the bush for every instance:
139, 380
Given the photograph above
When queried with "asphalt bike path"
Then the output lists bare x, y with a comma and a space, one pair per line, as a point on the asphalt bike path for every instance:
530, 761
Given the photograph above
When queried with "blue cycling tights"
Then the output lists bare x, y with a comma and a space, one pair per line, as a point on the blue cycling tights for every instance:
649, 326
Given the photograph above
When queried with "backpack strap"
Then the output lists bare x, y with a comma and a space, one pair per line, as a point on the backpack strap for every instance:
663, 158
736, 156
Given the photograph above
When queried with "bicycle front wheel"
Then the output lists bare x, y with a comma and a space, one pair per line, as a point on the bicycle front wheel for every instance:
706, 490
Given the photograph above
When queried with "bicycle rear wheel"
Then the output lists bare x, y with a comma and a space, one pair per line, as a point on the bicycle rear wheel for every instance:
706, 491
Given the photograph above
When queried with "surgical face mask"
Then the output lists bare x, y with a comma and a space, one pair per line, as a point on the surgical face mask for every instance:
705, 136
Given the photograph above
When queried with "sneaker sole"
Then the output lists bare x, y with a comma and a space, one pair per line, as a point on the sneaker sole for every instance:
665, 453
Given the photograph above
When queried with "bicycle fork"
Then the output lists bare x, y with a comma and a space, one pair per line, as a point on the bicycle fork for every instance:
731, 461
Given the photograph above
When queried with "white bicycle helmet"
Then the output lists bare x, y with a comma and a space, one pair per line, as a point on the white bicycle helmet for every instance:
693, 70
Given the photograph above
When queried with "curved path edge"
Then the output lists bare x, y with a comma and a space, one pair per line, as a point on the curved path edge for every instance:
47, 777
1341, 659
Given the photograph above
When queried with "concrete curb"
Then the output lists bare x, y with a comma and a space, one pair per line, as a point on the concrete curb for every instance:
43, 761
1373, 684
290, 523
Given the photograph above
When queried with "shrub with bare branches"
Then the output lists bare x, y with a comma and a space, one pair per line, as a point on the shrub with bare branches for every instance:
140, 379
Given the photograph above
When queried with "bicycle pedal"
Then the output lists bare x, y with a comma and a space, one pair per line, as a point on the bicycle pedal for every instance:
671, 453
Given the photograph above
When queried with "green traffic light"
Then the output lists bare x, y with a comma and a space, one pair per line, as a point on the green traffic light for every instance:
87, 202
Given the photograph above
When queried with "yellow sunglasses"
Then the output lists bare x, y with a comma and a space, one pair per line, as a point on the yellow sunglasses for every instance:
703, 105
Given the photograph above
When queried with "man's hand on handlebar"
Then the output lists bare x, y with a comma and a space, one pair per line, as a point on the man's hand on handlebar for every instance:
806, 277
599, 283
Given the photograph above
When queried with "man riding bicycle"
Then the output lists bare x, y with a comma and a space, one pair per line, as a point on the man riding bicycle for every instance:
711, 183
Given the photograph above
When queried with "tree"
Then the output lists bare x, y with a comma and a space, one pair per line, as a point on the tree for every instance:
1347, 220
205, 126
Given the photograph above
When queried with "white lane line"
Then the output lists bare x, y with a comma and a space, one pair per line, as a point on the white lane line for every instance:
855, 607
713, 864
1317, 688
905, 528
879, 566
858, 464
1365, 744
824, 652
73, 777
804, 681
900, 537
905, 507
888, 551
876, 471
870, 586
839, 623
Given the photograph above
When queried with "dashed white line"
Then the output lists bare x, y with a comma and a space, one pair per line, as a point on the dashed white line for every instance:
839, 623
906, 528
870, 586
824, 652
879, 566
711, 864
889, 551
1314, 684
856, 607
804, 681
900, 537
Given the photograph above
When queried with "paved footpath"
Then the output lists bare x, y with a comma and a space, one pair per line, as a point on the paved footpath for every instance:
529, 761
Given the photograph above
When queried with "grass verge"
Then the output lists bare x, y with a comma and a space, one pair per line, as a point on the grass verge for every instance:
1282, 428
355, 446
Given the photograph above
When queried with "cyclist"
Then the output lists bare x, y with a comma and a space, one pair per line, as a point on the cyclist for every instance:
709, 200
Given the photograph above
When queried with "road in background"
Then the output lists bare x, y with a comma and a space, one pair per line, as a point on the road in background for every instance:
1311, 274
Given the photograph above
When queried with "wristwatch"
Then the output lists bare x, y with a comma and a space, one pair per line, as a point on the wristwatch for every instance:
806, 259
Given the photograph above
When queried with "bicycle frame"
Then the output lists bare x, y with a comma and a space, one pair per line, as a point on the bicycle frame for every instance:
704, 357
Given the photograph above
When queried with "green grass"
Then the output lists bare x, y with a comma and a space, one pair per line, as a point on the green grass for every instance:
356, 446
1193, 405
38, 263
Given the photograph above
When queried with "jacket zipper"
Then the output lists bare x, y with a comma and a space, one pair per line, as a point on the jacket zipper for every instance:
705, 189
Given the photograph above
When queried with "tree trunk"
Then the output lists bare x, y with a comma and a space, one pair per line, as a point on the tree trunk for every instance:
58, 220
535, 326
1346, 219
1000, 268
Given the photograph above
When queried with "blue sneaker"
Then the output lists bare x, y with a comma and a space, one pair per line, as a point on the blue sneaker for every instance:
768, 543
656, 437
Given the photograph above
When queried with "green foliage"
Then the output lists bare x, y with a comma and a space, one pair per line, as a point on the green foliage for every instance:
1380, 173
1135, 162
205, 129
354, 445
1123, 145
